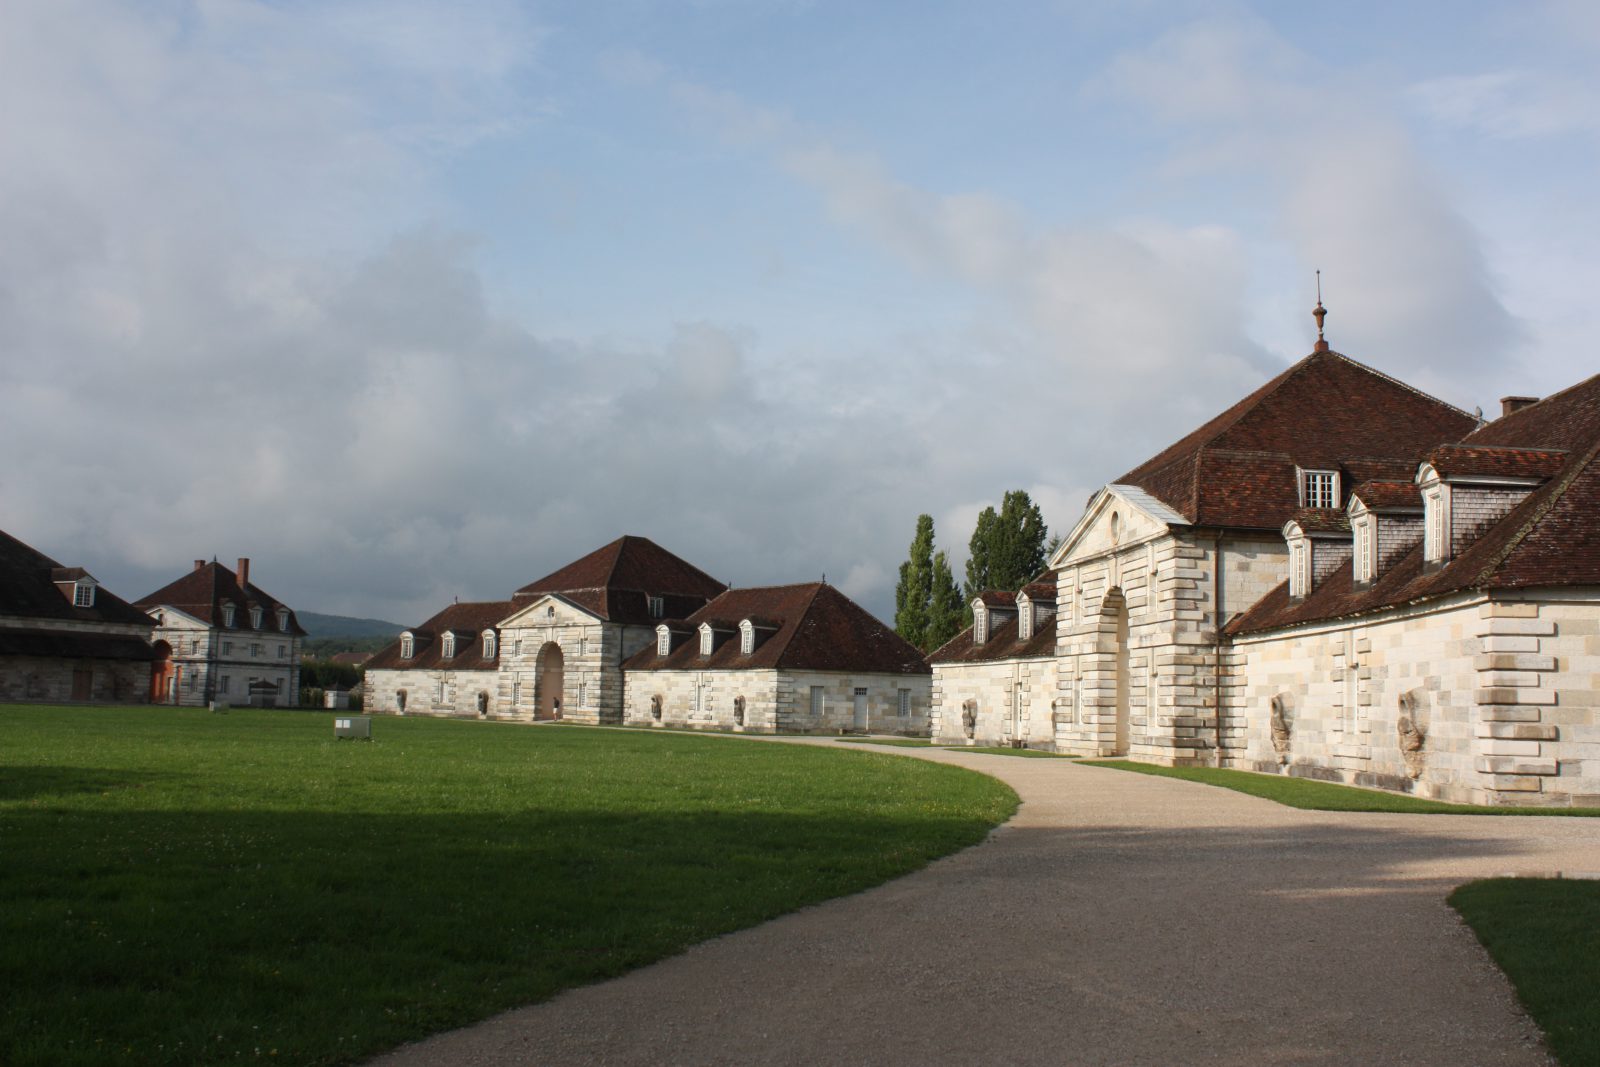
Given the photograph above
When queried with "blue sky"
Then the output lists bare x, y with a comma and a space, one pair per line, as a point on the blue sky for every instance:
411, 300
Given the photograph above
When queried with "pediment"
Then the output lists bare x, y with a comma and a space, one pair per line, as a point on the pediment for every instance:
1117, 516
551, 609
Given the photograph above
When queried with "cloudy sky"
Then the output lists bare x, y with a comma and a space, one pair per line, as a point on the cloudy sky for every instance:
411, 300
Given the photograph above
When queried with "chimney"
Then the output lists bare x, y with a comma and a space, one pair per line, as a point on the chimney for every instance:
1511, 404
199, 563
243, 572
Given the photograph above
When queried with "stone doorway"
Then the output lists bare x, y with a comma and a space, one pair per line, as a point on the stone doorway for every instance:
549, 683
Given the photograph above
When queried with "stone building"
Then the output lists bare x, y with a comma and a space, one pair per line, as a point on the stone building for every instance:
450, 665
780, 659
219, 637
995, 683
64, 637
1338, 577
559, 642
1446, 639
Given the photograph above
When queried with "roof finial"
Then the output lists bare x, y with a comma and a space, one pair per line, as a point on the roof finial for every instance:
1319, 313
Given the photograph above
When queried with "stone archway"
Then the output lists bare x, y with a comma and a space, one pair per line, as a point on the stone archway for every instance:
1114, 683
549, 681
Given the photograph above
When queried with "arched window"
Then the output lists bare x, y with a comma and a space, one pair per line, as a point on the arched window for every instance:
980, 623
408, 648
489, 644
448, 650
227, 614
283, 620
663, 641
705, 639
255, 616
747, 637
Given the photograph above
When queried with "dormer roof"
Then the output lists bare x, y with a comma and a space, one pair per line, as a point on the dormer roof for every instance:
203, 591
615, 582
1240, 468
1321, 522
467, 621
1039, 592
1384, 497
1495, 461
997, 598
29, 589
817, 628
1549, 539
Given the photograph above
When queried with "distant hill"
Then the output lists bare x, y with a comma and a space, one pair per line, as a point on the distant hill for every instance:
345, 626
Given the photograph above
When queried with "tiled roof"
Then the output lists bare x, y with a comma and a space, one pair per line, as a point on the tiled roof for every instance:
468, 620
818, 628
997, 598
1322, 521
1037, 591
27, 588
616, 581
1551, 538
1002, 643
1238, 470
1455, 461
1389, 496
200, 593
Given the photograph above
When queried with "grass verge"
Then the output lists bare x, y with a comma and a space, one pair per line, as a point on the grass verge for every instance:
182, 887
1545, 935
1326, 796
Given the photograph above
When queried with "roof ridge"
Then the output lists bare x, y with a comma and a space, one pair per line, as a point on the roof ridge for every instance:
799, 621
616, 560
1558, 489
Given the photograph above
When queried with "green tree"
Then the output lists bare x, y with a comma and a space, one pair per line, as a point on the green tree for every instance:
915, 589
945, 609
1008, 548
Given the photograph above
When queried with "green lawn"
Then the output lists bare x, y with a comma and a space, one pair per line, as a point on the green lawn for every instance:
183, 887
1545, 935
1325, 796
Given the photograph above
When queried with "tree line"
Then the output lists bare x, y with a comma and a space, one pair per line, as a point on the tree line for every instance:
1008, 549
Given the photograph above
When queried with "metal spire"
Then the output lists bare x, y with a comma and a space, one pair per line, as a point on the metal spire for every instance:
1319, 313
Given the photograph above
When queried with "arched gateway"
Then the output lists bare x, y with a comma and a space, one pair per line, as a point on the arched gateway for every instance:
549, 681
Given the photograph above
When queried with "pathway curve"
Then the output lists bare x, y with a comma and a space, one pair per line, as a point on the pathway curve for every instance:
1117, 919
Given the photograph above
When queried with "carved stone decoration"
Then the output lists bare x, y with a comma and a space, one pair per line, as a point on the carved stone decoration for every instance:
738, 710
1413, 732
655, 707
1280, 727
969, 718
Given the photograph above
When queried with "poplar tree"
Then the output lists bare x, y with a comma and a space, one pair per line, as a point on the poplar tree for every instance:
914, 592
1008, 547
945, 618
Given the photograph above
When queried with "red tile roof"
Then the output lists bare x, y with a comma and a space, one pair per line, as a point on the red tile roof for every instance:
468, 620
616, 581
1322, 521
1389, 496
1002, 643
1326, 412
201, 592
1037, 591
28, 589
997, 598
1551, 538
1455, 461
818, 629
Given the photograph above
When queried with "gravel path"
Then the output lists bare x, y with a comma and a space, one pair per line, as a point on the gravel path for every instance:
1118, 919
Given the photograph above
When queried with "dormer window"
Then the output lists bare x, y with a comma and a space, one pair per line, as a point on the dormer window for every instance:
980, 623
747, 637
1024, 618
408, 646
1435, 524
283, 620
1365, 529
1319, 489
657, 607
448, 649
255, 617
83, 595
1299, 567
227, 615
706, 638
490, 645
663, 641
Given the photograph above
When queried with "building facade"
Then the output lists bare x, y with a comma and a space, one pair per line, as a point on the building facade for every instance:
221, 638
64, 637
802, 659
